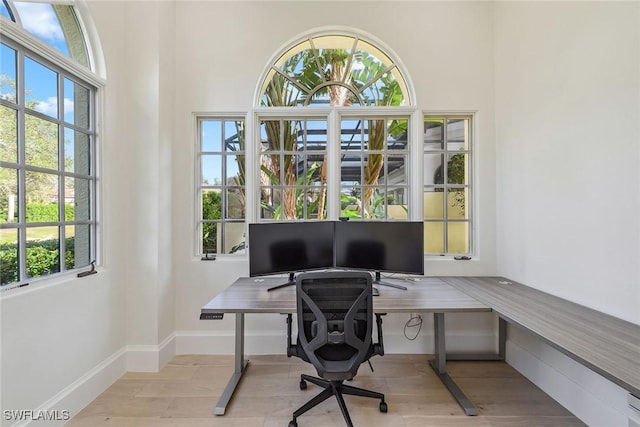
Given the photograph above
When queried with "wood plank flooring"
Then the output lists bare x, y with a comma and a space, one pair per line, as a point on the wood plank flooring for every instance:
184, 393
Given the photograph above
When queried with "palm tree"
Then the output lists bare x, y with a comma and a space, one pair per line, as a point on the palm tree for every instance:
327, 75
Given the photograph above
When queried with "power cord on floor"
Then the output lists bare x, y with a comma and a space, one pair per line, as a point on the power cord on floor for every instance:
415, 321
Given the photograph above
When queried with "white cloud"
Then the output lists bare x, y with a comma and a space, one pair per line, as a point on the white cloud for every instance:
40, 20
50, 106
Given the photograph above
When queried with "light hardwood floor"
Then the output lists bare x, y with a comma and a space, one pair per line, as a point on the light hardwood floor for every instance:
184, 393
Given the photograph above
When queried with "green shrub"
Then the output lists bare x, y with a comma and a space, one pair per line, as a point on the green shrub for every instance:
47, 212
43, 257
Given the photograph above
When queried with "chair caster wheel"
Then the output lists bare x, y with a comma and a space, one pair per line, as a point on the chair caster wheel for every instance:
303, 386
383, 408
293, 423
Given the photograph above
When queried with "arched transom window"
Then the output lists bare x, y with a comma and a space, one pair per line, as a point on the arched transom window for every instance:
334, 70
300, 147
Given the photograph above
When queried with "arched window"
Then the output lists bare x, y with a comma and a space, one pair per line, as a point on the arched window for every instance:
334, 70
47, 143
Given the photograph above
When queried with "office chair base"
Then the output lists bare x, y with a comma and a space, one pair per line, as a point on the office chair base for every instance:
337, 389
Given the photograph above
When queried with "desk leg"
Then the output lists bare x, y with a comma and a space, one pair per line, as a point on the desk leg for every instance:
439, 364
240, 366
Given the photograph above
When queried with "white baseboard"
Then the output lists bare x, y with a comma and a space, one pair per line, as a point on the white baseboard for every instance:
150, 358
595, 400
73, 398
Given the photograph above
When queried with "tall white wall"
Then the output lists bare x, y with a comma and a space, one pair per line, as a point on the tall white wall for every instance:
567, 127
65, 340
62, 340
147, 61
568, 150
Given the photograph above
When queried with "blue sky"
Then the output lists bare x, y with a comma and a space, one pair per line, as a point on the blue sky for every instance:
41, 83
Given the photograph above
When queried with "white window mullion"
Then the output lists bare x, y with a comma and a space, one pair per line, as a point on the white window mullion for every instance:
333, 166
416, 166
252, 167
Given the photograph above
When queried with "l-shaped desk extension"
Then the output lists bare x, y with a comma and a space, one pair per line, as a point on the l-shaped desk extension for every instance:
428, 295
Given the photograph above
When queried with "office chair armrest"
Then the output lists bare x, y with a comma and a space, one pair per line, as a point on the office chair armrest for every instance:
378, 348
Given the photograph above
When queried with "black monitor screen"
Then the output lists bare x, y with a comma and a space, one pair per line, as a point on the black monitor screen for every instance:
396, 247
287, 247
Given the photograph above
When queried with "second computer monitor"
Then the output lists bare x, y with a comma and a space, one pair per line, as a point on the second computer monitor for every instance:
395, 247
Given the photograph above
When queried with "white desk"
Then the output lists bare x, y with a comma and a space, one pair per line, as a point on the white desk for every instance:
432, 295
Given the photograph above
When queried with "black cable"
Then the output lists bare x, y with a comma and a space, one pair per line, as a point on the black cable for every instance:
415, 320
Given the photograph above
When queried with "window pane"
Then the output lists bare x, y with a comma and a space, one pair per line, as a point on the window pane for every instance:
41, 88
78, 246
8, 73
397, 199
433, 169
41, 142
351, 202
270, 203
8, 134
8, 195
211, 135
456, 134
271, 129
314, 205
211, 204
43, 251
433, 204
9, 270
4, 11
41, 21
457, 207
235, 203
74, 36
76, 152
211, 170
210, 238
457, 168
77, 199
396, 170
234, 238
233, 135
235, 170
351, 167
76, 104
42, 197
434, 237
458, 237
433, 134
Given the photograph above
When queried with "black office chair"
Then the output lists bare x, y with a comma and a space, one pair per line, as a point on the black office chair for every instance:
335, 323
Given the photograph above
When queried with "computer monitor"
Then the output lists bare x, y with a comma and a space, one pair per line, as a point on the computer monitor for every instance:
289, 247
395, 247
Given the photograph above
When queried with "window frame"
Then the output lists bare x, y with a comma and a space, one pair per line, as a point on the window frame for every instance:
27, 45
199, 118
470, 185
414, 163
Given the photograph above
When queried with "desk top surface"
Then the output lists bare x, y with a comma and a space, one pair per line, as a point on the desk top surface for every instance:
607, 345
429, 294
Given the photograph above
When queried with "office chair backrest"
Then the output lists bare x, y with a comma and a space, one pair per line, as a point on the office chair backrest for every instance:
335, 320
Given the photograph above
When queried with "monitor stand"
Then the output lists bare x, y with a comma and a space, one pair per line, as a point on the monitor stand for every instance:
379, 281
291, 282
